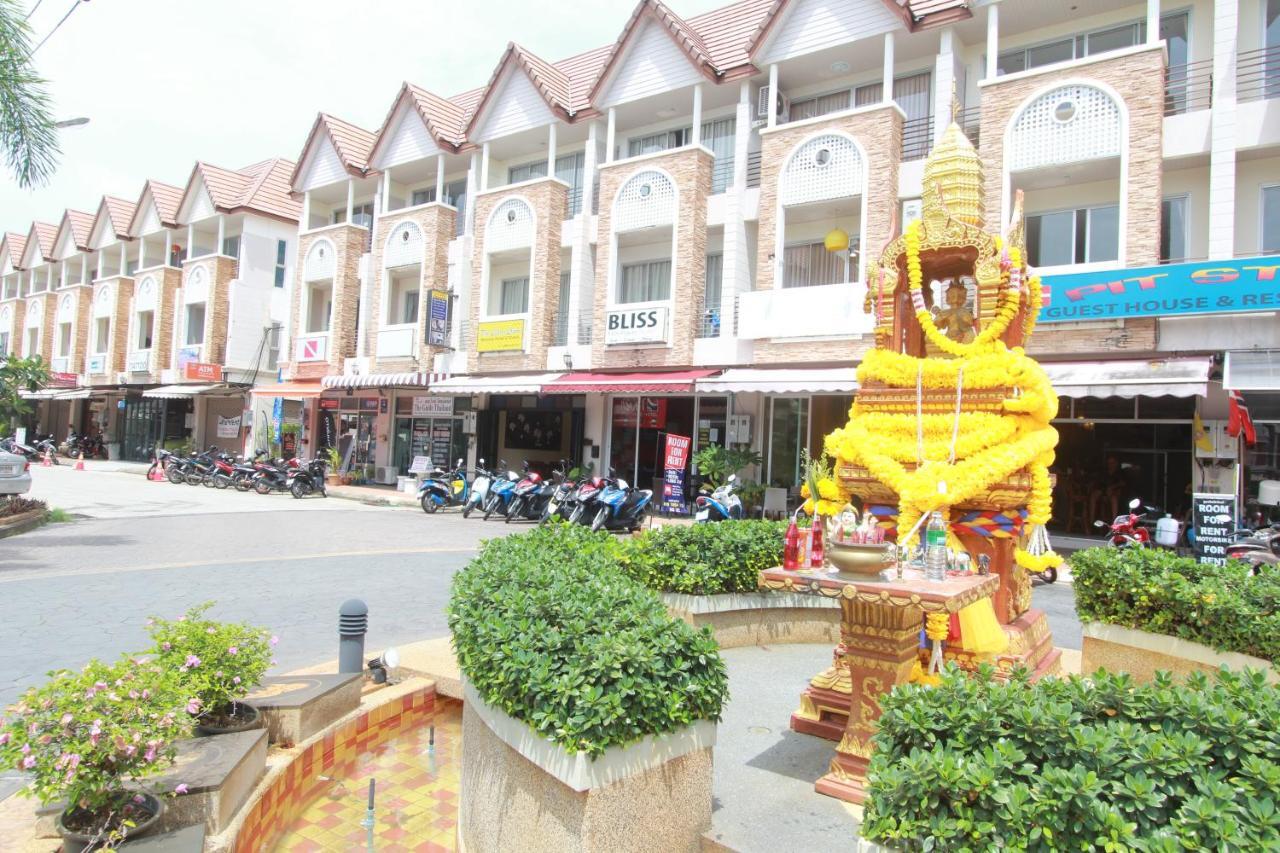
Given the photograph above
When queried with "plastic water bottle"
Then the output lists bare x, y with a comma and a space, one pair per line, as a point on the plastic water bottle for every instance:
935, 548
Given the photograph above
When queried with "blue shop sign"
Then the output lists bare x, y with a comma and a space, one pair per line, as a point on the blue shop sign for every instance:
1206, 287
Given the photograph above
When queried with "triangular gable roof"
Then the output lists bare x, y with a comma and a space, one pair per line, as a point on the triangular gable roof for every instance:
166, 199
76, 225
114, 214
260, 188
549, 81
444, 120
685, 37
13, 243
351, 143
39, 245
914, 14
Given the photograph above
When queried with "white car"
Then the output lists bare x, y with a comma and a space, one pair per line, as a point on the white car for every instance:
15, 474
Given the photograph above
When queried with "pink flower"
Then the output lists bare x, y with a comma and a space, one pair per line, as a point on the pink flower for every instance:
235, 680
74, 761
28, 762
4, 738
233, 651
274, 640
150, 754
181, 789
146, 694
26, 749
96, 728
192, 662
66, 719
133, 694
209, 631
130, 751
166, 645
193, 706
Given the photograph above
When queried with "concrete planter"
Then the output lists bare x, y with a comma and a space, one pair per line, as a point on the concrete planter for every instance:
1141, 653
21, 523
759, 618
522, 792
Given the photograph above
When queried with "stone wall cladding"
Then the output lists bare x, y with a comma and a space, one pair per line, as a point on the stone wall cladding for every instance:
219, 271
1139, 79
879, 133
83, 296
549, 199
690, 168
48, 324
348, 246
118, 350
166, 305
437, 224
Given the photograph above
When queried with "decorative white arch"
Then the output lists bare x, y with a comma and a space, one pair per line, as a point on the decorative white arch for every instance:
827, 165
404, 246
197, 289
1095, 107
66, 309
145, 297
35, 309
321, 261
511, 225
102, 301
645, 200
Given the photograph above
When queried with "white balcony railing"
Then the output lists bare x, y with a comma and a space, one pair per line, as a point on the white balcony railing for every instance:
312, 347
828, 310
396, 341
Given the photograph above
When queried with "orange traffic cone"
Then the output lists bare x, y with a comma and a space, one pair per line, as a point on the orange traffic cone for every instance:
80, 461
45, 461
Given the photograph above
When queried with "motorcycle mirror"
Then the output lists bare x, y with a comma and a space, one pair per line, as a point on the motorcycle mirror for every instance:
1099, 524
1135, 503
733, 478
480, 461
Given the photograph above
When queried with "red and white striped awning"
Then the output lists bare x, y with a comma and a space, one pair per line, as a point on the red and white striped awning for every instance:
672, 382
384, 380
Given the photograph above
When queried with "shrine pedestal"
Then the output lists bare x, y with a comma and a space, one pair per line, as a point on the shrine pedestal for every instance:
880, 629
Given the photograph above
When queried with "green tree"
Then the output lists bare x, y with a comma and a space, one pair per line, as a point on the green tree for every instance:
18, 375
28, 136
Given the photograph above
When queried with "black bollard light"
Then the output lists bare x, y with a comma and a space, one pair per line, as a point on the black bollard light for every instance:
353, 623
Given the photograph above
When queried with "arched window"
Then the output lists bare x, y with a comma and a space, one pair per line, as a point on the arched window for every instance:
1069, 124
646, 200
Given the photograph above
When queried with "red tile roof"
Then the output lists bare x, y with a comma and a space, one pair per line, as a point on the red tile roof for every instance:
119, 212
260, 188
551, 82
167, 198
351, 143
81, 224
15, 243
45, 235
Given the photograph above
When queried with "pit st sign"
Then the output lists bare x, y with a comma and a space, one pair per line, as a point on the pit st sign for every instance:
1209, 287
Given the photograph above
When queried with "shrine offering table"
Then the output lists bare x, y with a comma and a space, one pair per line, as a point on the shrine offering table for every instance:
881, 622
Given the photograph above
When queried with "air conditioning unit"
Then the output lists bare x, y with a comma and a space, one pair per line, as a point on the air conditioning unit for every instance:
764, 98
386, 475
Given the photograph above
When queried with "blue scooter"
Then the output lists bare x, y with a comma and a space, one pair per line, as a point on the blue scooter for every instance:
501, 493
621, 507
442, 489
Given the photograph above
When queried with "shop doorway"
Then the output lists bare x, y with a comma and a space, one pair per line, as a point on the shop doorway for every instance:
796, 425
144, 428
638, 427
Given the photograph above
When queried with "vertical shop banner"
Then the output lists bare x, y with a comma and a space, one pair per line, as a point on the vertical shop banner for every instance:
277, 419
438, 319
1213, 518
676, 459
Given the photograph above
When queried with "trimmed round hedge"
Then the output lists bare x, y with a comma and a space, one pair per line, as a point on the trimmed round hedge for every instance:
704, 559
549, 630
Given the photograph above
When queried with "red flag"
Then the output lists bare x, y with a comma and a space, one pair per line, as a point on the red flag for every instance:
1239, 421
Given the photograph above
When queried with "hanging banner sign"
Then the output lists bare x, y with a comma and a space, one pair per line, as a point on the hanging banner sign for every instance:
438, 319
500, 336
202, 371
277, 419
636, 326
228, 427
1213, 518
1208, 287
675, 460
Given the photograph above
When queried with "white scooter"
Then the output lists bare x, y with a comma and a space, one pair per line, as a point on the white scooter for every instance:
479, 489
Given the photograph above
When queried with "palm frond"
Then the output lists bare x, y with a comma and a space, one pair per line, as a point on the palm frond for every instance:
27, 133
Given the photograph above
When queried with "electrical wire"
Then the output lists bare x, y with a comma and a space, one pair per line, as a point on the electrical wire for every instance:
75, 4
27, 17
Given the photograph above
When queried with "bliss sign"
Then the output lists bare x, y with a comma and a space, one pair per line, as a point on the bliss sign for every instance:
636, 326
1210, 287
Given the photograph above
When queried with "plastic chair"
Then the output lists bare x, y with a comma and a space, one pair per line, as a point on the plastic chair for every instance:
775, 503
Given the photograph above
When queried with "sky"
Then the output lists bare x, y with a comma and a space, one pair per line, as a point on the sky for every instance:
167, 82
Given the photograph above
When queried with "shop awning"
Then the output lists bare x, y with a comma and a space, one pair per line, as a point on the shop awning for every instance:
77, 394
299, 390
673, 382
181, 392
833, 380
55, 394
1170, 377
1252, 371
382, 380
524, 383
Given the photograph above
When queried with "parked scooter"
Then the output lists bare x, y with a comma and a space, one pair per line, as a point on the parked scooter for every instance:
526, 500
580, 507
562, 492
721, 505
501, 493
47, 447
308, 479
479, 489
443, 489
273, 476
1127, 530
12, 445
1258, 548
621, 507
84, 446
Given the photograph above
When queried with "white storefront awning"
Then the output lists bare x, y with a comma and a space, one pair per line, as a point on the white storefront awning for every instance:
55, 394
1257, 370
525, 383
181, 392
833, 380
1171, 377
381, 380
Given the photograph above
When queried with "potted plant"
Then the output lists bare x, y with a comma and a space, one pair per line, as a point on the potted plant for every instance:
89, 738
215, 664
333, 476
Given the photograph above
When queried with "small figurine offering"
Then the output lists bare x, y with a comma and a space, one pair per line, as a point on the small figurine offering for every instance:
847, 529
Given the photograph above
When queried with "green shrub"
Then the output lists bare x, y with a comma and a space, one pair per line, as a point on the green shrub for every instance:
704, 559
1078, 764
1225, 607
547, 629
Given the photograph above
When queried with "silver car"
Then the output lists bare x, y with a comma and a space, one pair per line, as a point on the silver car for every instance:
15, 474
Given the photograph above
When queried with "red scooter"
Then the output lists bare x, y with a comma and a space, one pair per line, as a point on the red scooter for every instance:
1127, 530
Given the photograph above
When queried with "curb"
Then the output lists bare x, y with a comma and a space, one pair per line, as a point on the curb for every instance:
24, 523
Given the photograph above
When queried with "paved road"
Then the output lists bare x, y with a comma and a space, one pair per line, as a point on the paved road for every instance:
84, 589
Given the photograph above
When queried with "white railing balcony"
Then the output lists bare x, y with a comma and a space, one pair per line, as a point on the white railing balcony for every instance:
139, 361
313, 346
397, 341
829, 310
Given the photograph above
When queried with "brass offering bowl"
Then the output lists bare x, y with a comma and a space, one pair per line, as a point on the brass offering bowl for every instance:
865, 560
